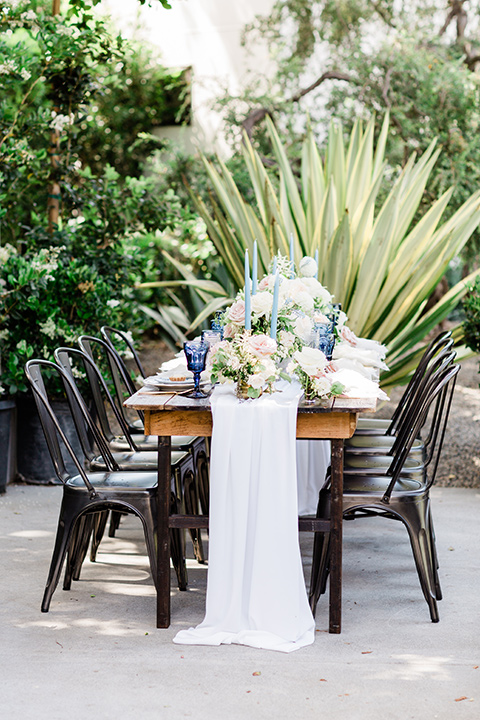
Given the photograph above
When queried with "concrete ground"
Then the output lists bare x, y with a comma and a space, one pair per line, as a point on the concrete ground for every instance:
97, 652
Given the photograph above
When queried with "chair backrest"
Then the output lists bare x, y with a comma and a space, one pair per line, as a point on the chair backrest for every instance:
107, 359
426, 383
54, 435
70, 358
441, 343
438, 396
121, 342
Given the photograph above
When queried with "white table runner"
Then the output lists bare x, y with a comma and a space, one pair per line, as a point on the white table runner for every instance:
256, 590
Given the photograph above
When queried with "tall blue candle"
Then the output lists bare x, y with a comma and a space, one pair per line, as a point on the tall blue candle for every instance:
292, 257
273, 323
274, 269
248, 316
316, 260
254, 269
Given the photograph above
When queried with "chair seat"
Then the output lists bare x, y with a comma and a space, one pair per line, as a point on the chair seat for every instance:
378, 465
132, 461
372, 426
149, 443
373, 444
111, 480
375, 485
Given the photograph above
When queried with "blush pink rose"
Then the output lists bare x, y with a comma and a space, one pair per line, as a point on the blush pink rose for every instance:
236, 314
229, 331
262, 345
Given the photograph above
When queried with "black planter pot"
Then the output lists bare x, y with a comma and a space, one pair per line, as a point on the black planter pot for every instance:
33, 458
8, 451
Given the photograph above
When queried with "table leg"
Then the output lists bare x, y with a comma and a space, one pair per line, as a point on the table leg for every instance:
163, 532
336, 519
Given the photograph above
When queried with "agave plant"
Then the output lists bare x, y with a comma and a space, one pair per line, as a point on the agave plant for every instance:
377, 261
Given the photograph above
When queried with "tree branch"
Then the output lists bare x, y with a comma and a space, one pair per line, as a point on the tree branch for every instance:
380, 11
255, 116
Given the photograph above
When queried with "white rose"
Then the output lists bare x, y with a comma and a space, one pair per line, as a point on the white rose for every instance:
303, 328
308, 267
322, 386
317, 290
261, 303
291, 288
311, 360
305, 301
286, 339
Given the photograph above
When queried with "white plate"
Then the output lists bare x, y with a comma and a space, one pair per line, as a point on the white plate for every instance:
164, 382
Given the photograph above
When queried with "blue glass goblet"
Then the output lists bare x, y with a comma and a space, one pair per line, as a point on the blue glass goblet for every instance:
196, 355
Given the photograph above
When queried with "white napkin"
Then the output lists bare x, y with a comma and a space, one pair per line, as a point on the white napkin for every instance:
357, 385
256, 589
370, 358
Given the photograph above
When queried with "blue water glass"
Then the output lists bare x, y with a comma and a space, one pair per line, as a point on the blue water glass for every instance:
196, 355
211, 337
216, 325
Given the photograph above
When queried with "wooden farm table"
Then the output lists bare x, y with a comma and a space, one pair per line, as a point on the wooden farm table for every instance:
166, 415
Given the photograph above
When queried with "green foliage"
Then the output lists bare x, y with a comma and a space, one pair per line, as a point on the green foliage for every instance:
346, 59
50, 296
379, 263
64, 79
471, 325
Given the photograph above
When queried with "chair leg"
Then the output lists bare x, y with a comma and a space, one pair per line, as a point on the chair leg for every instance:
416, 522
77, 549
116, 516
99, 525
177, 548
435, 563
320, 556
65, 527
191, 508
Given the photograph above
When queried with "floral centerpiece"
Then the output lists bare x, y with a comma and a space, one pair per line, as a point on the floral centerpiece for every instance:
270, 323
286, 327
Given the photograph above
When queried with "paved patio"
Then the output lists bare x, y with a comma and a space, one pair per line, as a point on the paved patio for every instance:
97, 652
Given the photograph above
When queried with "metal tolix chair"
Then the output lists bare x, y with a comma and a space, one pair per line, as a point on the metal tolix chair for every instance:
87, 494
397, 495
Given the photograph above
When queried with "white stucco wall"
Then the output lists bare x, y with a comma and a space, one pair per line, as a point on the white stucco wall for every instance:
203, 34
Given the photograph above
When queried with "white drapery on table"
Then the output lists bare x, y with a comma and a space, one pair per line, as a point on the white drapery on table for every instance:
256, 589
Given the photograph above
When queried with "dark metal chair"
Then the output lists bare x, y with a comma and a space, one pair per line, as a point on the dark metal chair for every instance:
88, 494
374, 451
397, 495
120, 341
381, 426
183, 457
106, 354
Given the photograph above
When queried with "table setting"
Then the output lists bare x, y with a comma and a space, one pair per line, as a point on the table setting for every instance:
283, 341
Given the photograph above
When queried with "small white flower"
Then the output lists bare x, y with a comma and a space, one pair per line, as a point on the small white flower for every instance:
5, 252
322, 386
25, 74
49, 328
113, 303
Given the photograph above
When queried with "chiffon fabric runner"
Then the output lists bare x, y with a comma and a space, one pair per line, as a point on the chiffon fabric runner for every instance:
256, 592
